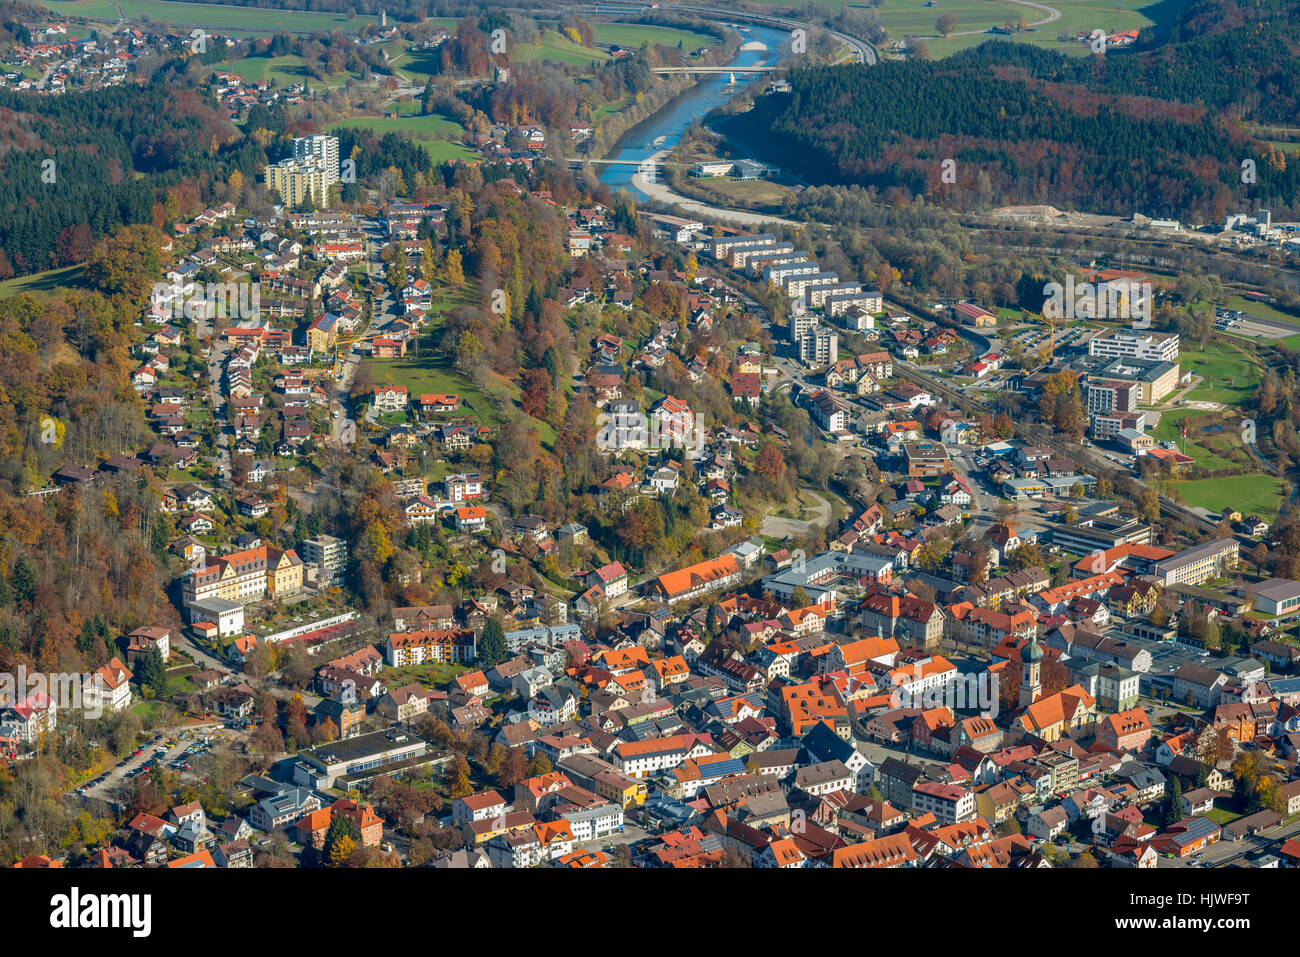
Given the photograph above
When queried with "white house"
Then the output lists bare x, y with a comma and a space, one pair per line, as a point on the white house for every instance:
107, 689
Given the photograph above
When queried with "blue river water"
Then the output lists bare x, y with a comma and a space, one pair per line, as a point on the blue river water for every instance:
663, 130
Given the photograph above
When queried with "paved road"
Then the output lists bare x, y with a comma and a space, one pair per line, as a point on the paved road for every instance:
201, 655
664, 194
217, 396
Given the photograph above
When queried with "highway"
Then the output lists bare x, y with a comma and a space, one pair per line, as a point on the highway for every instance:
861, 50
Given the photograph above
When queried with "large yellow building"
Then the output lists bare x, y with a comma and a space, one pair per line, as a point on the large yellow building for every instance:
297, 182
1067, 713
323, 332
246, 576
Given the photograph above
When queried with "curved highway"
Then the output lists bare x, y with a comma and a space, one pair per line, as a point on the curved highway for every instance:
862, 51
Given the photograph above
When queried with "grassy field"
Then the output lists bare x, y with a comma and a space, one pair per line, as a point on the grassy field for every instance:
283, 70
915, 18
1228, 374
1250, 494
553, 46
1222, 816
249, 19
1210, 451
97, 9
635, 34
1261, 309
438, 135
610, 108
43, 282
431, 372
759, 192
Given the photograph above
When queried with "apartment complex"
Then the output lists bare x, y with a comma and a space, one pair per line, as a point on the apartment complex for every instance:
307, 176
442, 645
819, 347
1198, 564
319, 148
329, 555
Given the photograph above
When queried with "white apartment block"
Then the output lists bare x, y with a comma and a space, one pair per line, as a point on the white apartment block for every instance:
947, 802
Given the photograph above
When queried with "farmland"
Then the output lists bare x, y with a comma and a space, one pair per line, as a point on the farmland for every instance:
283, 70
914, 17
438, 135
554, 46
635, 34
244, 19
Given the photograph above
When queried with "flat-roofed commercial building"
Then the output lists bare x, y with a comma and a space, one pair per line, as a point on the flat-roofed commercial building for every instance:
321, 766
1156, 379
1128, 343
1084, 538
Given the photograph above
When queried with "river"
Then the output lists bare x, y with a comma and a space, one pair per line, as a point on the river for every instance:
664, 130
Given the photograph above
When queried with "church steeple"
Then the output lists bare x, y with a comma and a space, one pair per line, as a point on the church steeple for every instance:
1031, 659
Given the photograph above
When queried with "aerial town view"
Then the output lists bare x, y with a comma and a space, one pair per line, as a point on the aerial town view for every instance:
461, 434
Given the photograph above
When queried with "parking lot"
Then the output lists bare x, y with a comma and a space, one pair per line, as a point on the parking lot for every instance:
159, 748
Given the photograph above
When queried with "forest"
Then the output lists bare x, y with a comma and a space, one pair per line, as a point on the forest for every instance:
1163, 131
69, 162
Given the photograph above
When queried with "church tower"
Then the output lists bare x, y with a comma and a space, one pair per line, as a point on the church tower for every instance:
1031, 660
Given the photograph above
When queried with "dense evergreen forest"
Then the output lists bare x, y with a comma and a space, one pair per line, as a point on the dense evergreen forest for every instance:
1163, 130
69, 164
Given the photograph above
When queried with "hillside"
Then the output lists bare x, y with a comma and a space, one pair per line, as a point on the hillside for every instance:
1162, 129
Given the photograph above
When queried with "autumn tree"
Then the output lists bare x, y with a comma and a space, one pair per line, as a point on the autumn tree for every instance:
455, 270
341, 840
